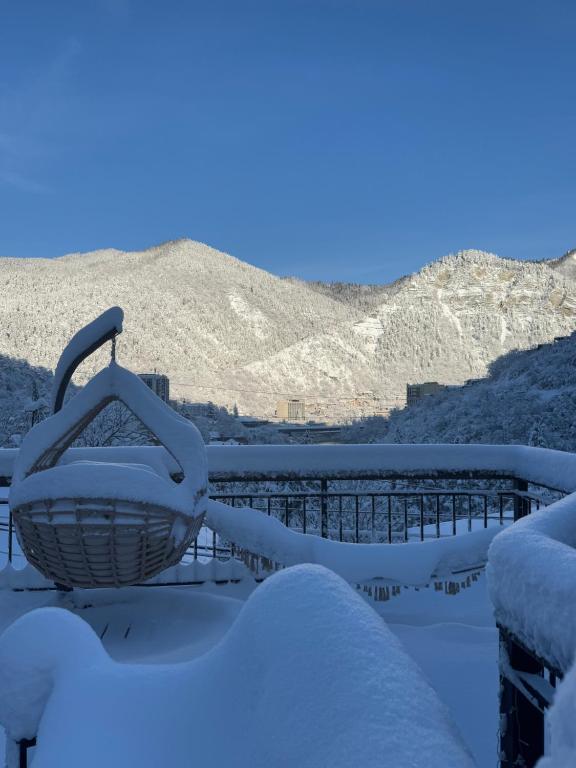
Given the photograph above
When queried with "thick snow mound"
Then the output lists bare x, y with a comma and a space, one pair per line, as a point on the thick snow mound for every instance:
308, 676
561, 752
532, 581
91, 479
35, 652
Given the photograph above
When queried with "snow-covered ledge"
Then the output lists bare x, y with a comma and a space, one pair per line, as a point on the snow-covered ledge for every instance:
555, 469
532, 581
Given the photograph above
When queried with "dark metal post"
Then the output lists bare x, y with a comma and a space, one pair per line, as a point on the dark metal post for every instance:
520, 506
324, 508
421, 518
405, 518
521, 721
23, 747
10, 535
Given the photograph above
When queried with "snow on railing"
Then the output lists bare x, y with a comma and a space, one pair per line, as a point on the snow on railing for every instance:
554, 469
532, 581
413, 563
255, 535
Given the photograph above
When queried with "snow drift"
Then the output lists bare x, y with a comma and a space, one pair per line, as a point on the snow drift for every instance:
307, 676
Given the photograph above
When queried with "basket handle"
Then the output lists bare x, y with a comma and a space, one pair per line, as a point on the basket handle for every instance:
88, 339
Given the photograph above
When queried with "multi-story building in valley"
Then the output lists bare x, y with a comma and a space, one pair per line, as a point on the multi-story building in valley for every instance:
416, 391
158, 383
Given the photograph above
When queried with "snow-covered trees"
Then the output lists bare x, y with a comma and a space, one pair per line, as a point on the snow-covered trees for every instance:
224, 330
529, 397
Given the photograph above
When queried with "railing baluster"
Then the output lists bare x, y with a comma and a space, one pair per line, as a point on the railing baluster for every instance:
337, 513
405, 518
10, 534
421, 517
324, 509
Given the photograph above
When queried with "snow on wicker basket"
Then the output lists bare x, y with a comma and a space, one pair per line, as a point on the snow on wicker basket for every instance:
93, 524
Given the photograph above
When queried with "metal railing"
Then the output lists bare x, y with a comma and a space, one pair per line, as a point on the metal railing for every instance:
360, 516
527, 687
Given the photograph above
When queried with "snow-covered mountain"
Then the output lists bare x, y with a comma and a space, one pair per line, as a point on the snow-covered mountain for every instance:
528, 398
565, 265
228, 332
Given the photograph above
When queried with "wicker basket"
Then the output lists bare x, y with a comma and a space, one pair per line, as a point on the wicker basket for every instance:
80, 539
102, 542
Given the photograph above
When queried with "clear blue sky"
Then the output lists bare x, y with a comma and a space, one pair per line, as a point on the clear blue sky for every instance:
333, 139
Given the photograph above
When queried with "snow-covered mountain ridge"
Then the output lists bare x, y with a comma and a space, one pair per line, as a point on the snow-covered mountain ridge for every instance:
229, 332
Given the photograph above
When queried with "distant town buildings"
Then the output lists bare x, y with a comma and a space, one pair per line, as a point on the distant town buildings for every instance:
291, 410
158, 383
416, 391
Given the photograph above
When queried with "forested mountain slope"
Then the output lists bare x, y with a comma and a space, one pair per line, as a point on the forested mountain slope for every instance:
228, 332
529, 397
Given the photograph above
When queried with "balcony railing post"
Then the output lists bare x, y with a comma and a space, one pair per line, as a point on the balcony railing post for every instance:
521, 721
10, 536
324, 508
520, 506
